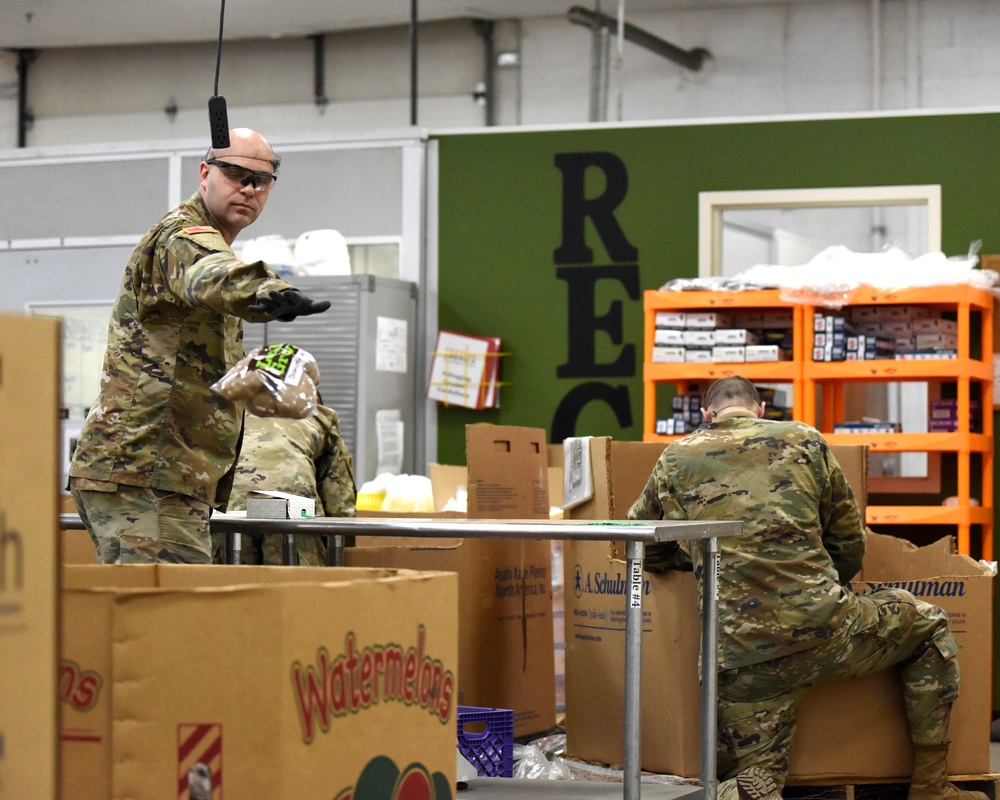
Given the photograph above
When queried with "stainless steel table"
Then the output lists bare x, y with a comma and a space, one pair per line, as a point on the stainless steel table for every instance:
635, 535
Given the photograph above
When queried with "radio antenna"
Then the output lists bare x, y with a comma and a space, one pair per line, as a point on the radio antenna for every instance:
217, 116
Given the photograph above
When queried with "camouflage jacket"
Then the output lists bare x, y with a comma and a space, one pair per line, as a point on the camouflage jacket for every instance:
175, 329
307, 457
781, 580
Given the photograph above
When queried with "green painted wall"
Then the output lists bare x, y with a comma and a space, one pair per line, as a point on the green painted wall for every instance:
501, 220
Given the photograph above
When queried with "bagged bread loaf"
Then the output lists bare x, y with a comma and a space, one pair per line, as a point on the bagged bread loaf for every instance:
278, 380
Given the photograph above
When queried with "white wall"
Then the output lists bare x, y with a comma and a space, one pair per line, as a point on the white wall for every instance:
769, 58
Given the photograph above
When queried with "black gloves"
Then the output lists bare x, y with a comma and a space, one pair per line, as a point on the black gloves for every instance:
288, 304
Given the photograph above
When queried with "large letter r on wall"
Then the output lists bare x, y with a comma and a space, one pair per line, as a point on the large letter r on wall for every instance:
576, 208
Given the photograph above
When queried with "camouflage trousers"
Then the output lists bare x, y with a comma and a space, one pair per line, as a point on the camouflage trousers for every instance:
758, 703
260, 548
139, 525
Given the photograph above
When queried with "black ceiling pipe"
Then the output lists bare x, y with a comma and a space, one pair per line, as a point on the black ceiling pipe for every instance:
24, 116
319, 71
486, 28
413, 62
690, 59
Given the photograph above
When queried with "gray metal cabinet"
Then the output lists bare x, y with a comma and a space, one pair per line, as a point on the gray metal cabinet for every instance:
365, 347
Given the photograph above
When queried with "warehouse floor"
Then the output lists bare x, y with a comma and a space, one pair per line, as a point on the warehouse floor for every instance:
507, 788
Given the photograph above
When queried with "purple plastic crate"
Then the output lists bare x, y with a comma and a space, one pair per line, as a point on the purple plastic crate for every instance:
486, 740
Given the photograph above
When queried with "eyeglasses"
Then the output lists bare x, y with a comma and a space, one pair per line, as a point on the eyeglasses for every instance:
261, 181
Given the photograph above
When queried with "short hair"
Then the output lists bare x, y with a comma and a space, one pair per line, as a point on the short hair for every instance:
732, 391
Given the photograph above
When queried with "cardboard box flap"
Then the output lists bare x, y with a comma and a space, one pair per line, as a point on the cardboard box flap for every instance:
446, 481
853, 460
887, 557
107, 577
409, 542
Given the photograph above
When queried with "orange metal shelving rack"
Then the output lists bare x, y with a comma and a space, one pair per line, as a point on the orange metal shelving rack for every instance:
820, 385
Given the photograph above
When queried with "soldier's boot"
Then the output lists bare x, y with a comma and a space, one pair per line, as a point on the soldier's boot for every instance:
930, 776
756, 783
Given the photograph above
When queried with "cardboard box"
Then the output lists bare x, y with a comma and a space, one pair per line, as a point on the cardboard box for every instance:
506, 657
29, 476
279, 505
508, 472
826, 744
280, 682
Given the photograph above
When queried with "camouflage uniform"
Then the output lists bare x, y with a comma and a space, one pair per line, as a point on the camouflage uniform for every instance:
175, 329
306, 457
787, 615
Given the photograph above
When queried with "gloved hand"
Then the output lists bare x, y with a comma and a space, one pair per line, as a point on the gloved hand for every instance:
287, 304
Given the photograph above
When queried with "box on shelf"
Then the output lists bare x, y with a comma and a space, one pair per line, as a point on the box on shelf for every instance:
934, 325
880, 426
784, 318
728, 353
826, 743
936, 341
694, 355
765, 352
668, 355
670, 337
709, 319
506, 637
177, 674
670, 319
926, 354
673, 426
736, 336
699, 338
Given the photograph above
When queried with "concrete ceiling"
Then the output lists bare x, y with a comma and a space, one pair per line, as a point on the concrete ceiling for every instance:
82, 23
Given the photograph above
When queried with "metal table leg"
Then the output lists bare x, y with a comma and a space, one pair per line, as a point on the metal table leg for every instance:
234, 546
710, 667
633, 667
334, 550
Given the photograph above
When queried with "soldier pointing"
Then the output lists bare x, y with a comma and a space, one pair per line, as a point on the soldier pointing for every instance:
158, 447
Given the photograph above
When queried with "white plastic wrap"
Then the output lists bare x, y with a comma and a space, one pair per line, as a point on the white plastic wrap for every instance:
833, 274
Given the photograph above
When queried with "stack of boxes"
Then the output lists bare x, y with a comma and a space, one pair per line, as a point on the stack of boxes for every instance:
686, 410
775, 403
883, 332
685, 416
867, 425
722, 337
